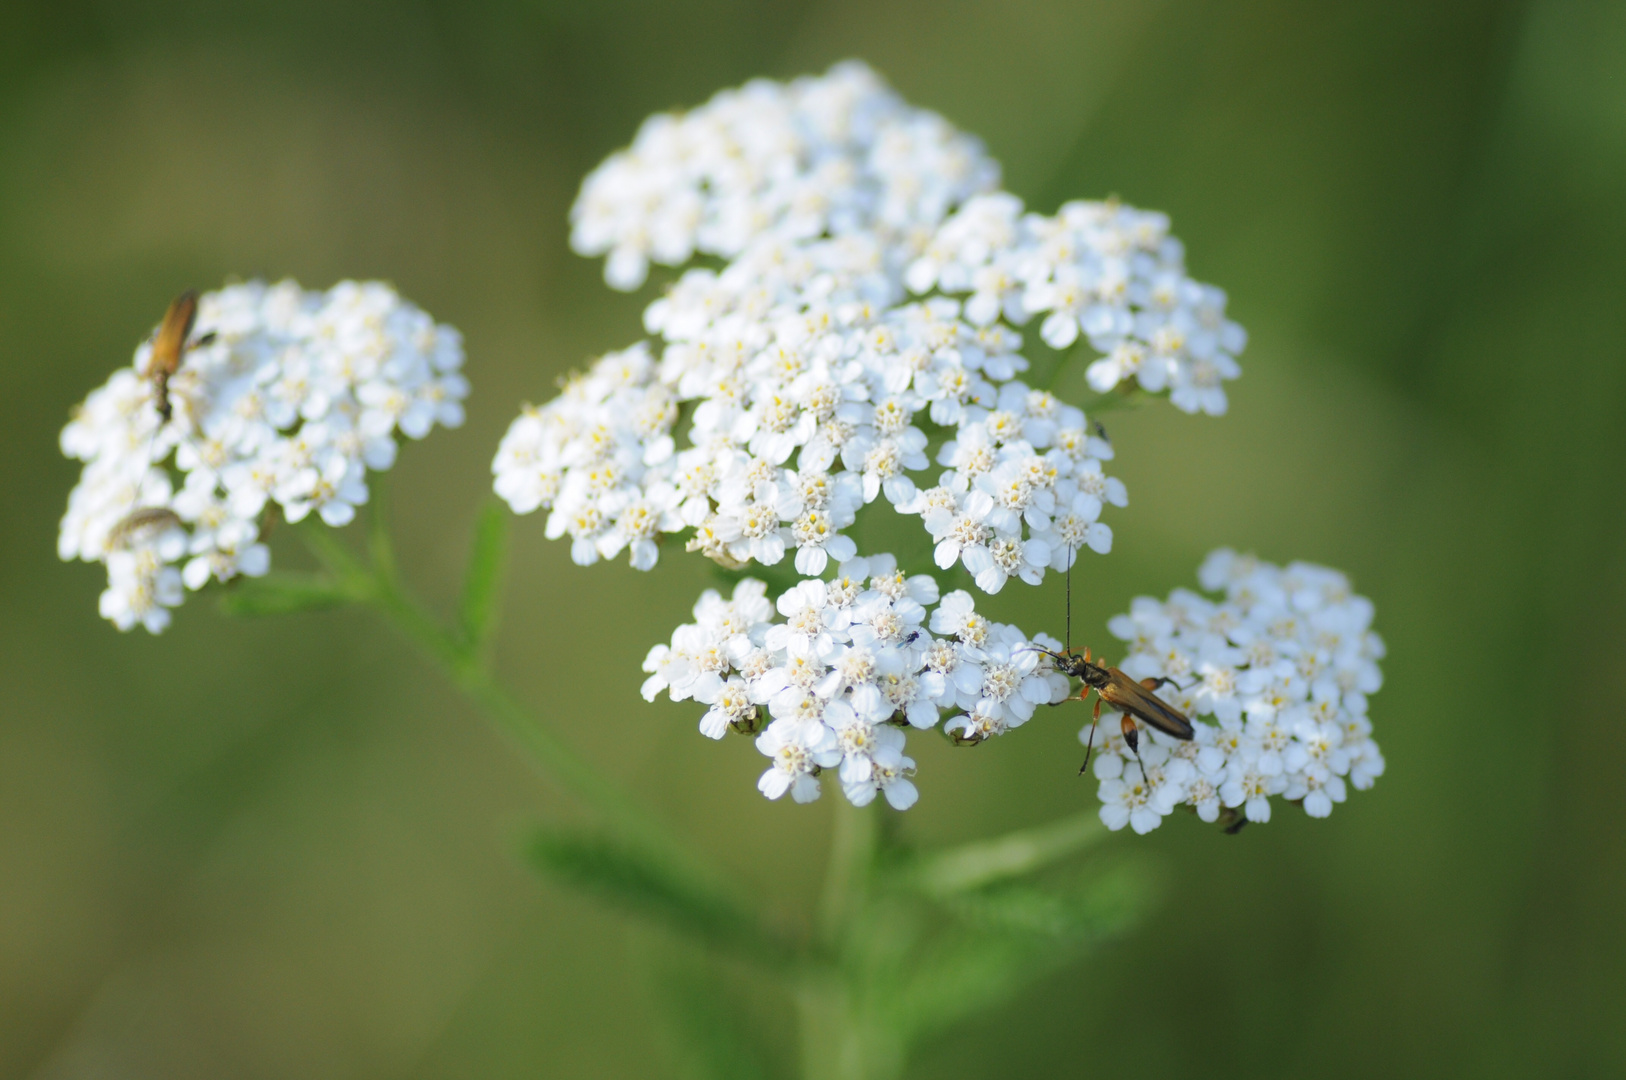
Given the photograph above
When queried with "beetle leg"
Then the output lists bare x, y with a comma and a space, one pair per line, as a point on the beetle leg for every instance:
1094, 720
1132, 737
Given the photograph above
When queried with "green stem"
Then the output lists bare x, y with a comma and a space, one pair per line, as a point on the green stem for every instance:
846, 880
380, 586
831, 1045
836, 1044
1114, 400
1053, 376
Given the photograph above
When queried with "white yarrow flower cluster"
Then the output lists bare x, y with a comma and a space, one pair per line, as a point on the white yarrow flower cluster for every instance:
285, 400
806, 382
852, 664
1281, 667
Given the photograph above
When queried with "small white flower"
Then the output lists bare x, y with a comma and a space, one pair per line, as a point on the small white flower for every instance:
1247, 786
731, 705
817, 542
1012, 683
333, 488
222, 563
890, 772
140, 589
797, 748
949, 678
1131, 802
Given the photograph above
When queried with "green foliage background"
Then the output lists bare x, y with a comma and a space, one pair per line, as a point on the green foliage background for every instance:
285, 848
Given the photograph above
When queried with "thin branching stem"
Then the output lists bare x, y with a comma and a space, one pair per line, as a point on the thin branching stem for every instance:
379, 585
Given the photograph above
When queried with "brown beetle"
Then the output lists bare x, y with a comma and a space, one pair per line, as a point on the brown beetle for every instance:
1134, 699
168, 345
148, 521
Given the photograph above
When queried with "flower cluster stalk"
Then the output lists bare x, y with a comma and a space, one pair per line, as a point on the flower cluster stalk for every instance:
836, 1043
379, 586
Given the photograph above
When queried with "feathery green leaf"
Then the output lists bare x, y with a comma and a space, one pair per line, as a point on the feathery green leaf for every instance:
1016, 854
282, 593
647, 884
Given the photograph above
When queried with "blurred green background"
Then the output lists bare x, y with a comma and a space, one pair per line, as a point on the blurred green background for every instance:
284, 848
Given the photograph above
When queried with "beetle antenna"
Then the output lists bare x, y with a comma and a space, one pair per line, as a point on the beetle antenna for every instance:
1041, 649
1068, 647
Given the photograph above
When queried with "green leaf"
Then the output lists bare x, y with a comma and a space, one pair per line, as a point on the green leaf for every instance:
1009, 937
718, 1040
964, 976
1104, 907
482, 580
976, 865
282, 593
645, 883
1018, 909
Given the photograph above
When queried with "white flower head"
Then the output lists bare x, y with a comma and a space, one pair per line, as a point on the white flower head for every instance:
869, 308
281, 397
851, 666
1271, 676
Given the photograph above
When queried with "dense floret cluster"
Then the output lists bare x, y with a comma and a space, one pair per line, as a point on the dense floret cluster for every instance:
283, 401
1281, 667
850, 666
864, 329
1098, 270
836, 155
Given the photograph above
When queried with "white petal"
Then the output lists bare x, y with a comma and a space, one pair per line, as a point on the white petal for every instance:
902, 794
774, 782
1114, 815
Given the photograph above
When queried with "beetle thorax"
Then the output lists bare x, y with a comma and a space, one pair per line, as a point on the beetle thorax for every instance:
1095, 676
